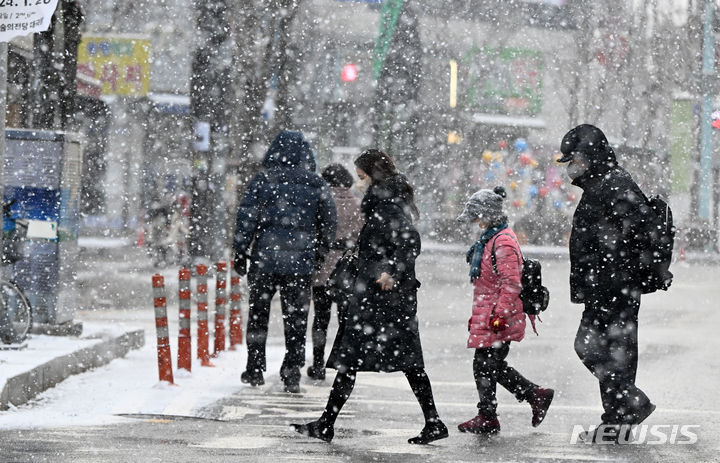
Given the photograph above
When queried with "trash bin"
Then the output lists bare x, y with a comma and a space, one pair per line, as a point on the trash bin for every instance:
42, 176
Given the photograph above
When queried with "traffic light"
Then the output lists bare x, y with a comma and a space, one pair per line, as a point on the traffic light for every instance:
349, 73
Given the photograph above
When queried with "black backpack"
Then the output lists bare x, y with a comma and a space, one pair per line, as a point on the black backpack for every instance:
654, 269
534, 296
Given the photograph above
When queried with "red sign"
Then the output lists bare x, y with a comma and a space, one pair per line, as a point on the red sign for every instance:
612, 50
715, 119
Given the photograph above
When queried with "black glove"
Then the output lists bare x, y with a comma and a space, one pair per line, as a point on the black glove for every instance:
240, 265
319, 261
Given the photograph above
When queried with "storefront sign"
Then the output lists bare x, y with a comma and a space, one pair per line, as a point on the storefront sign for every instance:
121, 64
502, 81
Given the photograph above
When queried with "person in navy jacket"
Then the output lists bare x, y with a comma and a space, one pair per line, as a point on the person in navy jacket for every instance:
285, 225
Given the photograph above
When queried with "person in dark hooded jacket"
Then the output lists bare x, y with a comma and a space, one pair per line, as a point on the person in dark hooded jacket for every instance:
379, 331
285, 225
610, 228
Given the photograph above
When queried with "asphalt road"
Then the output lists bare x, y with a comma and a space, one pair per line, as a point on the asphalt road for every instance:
679, 370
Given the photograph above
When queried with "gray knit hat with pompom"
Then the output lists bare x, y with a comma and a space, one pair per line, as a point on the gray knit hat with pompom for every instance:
484, 204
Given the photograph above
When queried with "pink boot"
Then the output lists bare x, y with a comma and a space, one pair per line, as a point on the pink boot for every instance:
540, 402
480, 425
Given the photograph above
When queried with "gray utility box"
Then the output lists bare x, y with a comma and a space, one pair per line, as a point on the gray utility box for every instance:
42, 176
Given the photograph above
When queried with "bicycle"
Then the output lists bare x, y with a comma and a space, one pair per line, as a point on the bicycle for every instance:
15, 310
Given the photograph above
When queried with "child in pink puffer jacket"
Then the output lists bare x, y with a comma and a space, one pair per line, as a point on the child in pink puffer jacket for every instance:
497, 313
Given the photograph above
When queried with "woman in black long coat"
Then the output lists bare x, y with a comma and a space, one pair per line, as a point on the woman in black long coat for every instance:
380, 331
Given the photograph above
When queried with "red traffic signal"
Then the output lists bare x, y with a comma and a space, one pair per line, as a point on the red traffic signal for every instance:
349, 73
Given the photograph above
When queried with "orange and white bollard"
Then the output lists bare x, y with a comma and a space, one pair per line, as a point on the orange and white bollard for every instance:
161, 326
235, 314
203, 350
184, 343
220, 303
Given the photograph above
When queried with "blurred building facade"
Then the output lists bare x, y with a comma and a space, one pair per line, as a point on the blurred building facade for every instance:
147, 152
500, 83
505, 121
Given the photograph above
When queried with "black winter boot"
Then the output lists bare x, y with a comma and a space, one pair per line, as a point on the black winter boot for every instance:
317, 429
291, 379
316, 372
252, 377
433, 430
642, 413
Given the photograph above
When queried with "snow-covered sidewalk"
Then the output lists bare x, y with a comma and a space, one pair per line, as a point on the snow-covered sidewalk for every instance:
125, 386
42, 361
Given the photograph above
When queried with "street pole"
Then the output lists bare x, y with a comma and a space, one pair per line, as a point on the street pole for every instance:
47, 79
705, 194
3, 104
72, 21
389, 16
209, 93
397, 65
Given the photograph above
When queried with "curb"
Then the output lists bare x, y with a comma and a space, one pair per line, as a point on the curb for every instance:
23, 387
70, 328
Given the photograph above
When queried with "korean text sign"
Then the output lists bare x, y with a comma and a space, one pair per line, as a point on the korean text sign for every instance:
121, 64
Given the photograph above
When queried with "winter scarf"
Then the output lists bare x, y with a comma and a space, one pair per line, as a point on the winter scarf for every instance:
474, 254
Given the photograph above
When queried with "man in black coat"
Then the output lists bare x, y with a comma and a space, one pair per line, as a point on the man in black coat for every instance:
288, 217
609, 232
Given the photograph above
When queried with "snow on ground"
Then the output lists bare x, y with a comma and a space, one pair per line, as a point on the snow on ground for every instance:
126, 385
43, 348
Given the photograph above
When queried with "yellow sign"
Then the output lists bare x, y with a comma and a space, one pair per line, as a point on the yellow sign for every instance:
121, 64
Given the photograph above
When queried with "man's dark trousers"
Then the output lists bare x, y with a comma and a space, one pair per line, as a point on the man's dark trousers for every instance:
607, 344
295, 301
